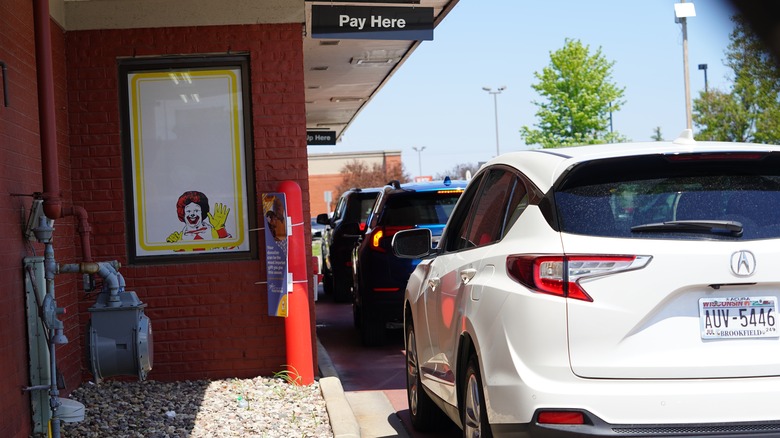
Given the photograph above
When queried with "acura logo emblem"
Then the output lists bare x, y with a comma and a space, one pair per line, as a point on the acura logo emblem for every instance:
743, 263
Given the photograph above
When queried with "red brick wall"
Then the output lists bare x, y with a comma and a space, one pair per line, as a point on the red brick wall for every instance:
209, 319
20, 177
319, 184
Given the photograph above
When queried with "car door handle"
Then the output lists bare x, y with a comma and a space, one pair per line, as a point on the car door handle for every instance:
433, 283
467, 274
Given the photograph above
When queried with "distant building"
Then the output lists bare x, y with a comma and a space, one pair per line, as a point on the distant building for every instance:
325, 174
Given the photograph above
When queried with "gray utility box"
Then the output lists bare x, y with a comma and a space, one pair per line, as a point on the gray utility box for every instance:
119, 337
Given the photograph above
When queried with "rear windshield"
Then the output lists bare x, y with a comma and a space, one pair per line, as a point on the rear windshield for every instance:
419, 208
659, 197
359, 206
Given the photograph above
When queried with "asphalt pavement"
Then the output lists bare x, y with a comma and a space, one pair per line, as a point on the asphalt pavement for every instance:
364, 388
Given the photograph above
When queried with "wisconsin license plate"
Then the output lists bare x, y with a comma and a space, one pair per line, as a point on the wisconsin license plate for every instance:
738, 317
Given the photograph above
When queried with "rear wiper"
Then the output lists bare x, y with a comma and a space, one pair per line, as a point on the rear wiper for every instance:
711, 226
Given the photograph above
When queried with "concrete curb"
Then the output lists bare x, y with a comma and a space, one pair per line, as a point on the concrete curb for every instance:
342, 418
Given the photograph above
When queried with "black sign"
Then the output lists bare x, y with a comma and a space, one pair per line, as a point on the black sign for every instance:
407, 2
321, 138
372, 23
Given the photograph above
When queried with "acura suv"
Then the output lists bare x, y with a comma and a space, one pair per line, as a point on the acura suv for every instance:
611, 290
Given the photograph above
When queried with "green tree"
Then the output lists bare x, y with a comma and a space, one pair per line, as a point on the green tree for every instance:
578, 95
750, 112
657, 136
357, 173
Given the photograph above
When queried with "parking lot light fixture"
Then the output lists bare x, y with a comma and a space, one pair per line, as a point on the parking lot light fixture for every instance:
495, 108
419, 158
681, 13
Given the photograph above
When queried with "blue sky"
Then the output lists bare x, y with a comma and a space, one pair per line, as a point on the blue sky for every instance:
436, 99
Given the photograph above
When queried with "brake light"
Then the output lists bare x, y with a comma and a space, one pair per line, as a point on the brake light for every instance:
377, 237
561, 275
717, 156
561, 417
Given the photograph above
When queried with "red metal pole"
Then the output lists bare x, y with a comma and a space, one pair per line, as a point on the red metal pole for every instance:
298, 325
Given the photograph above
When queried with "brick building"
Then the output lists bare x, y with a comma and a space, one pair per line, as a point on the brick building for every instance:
108, 112
324, 174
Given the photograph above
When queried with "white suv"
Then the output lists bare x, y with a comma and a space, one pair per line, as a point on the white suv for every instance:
610, 290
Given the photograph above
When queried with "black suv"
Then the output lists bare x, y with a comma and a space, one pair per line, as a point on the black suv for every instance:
352, 209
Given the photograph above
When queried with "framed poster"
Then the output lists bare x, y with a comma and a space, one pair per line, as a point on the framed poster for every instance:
185, 129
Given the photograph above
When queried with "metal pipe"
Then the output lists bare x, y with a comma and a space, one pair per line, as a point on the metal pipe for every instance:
5, 83
84, 228
52, 202
55, 327
52, 205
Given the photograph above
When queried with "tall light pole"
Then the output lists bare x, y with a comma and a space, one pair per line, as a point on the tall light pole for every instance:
681, 13
704, 67
495, 107
419, 157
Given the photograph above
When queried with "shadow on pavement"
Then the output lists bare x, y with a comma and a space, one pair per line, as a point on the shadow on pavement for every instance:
378, 369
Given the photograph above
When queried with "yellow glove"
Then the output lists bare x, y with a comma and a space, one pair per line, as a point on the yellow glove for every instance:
174, 237
218, 219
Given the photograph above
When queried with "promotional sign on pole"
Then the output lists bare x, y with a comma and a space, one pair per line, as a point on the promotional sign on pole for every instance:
276, 233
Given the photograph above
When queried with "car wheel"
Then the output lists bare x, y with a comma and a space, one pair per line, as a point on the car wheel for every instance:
473, 412
327, 281
356, 317
372, 327
341, 292
424, 413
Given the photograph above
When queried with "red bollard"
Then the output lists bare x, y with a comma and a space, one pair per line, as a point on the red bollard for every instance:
297, 324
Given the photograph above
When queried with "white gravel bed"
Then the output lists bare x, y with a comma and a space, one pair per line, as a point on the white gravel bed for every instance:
261, 407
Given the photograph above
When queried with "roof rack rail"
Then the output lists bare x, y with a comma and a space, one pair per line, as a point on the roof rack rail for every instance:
395, 184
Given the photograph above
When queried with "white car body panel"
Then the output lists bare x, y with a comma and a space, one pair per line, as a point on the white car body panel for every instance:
636, 326
638, 340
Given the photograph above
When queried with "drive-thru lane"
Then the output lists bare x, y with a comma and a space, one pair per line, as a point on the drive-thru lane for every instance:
373, 379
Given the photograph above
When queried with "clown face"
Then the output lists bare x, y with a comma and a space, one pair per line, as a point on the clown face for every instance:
193, 216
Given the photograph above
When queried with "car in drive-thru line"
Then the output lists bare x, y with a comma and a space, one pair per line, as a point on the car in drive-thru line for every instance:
379, 276
351, 209
611, 290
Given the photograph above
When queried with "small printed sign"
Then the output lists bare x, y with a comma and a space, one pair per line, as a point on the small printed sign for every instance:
321, 138
372, 23
276, 233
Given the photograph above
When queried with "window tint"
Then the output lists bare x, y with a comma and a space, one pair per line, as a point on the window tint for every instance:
489, 210
359, 207
748, 193
489, 207
338, 212
419, 208
459, 225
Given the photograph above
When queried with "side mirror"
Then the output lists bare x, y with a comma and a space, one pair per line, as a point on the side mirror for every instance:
412, 244
323, 219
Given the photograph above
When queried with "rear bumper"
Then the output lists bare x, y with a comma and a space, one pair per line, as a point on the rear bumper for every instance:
599, 428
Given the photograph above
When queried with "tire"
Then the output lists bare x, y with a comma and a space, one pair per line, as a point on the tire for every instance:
425, 415
372, 327
341, 292
473, 412
327, 281
356, 316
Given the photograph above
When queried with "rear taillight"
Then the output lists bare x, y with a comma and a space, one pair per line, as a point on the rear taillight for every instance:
380, 237
560, 417
561, 275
